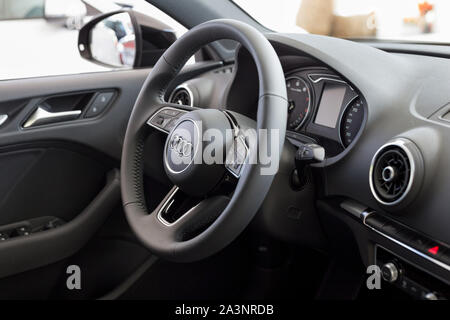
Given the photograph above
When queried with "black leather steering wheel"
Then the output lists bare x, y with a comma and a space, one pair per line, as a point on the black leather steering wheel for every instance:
215, 220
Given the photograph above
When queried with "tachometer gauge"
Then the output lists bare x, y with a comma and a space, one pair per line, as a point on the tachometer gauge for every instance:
351, 121
299, 97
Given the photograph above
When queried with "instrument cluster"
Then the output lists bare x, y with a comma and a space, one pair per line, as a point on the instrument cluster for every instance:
325, 108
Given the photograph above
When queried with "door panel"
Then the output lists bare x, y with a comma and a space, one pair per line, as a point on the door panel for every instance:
59, 182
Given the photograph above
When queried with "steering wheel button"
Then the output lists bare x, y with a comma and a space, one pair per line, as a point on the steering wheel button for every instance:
169, 126
170, 112
158, 120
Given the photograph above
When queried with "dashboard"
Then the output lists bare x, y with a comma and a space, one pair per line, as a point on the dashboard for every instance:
383, 120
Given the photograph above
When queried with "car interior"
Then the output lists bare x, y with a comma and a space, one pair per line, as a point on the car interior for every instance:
358, 129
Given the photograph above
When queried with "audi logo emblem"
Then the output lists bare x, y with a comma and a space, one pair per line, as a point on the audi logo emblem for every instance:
181, 146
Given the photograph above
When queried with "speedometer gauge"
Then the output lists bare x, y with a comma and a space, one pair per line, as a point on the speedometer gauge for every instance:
351, 121
299, 97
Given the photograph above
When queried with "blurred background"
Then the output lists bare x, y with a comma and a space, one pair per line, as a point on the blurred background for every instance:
408, 20
39, 37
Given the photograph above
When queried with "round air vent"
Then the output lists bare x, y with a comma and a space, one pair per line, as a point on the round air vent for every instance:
182, 95
395, 172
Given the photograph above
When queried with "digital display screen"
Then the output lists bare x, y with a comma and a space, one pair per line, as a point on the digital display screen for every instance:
330, 105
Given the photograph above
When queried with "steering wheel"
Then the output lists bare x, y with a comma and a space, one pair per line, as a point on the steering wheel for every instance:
212, 220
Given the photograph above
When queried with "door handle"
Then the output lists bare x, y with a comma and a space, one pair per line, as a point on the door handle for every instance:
42, 116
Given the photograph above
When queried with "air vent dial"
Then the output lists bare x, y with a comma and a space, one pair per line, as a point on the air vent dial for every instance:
392, 173
396, 173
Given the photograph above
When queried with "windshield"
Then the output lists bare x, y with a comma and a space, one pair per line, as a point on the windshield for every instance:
406, 20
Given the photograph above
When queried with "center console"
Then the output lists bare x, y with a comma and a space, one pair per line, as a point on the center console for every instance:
409, 278
409, 260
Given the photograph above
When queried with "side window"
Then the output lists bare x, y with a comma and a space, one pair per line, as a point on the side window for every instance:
45, 37
23, 9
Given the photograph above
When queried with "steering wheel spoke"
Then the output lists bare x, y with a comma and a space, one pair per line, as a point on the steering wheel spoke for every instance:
183, 216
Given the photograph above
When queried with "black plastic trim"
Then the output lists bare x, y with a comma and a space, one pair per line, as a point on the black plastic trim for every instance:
36, 250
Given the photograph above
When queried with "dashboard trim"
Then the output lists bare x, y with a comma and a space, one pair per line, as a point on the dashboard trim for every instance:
328, 77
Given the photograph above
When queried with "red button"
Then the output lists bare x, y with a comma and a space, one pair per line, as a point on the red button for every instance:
434, 250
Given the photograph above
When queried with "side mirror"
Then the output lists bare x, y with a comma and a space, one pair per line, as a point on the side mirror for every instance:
69, 13
124, 39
